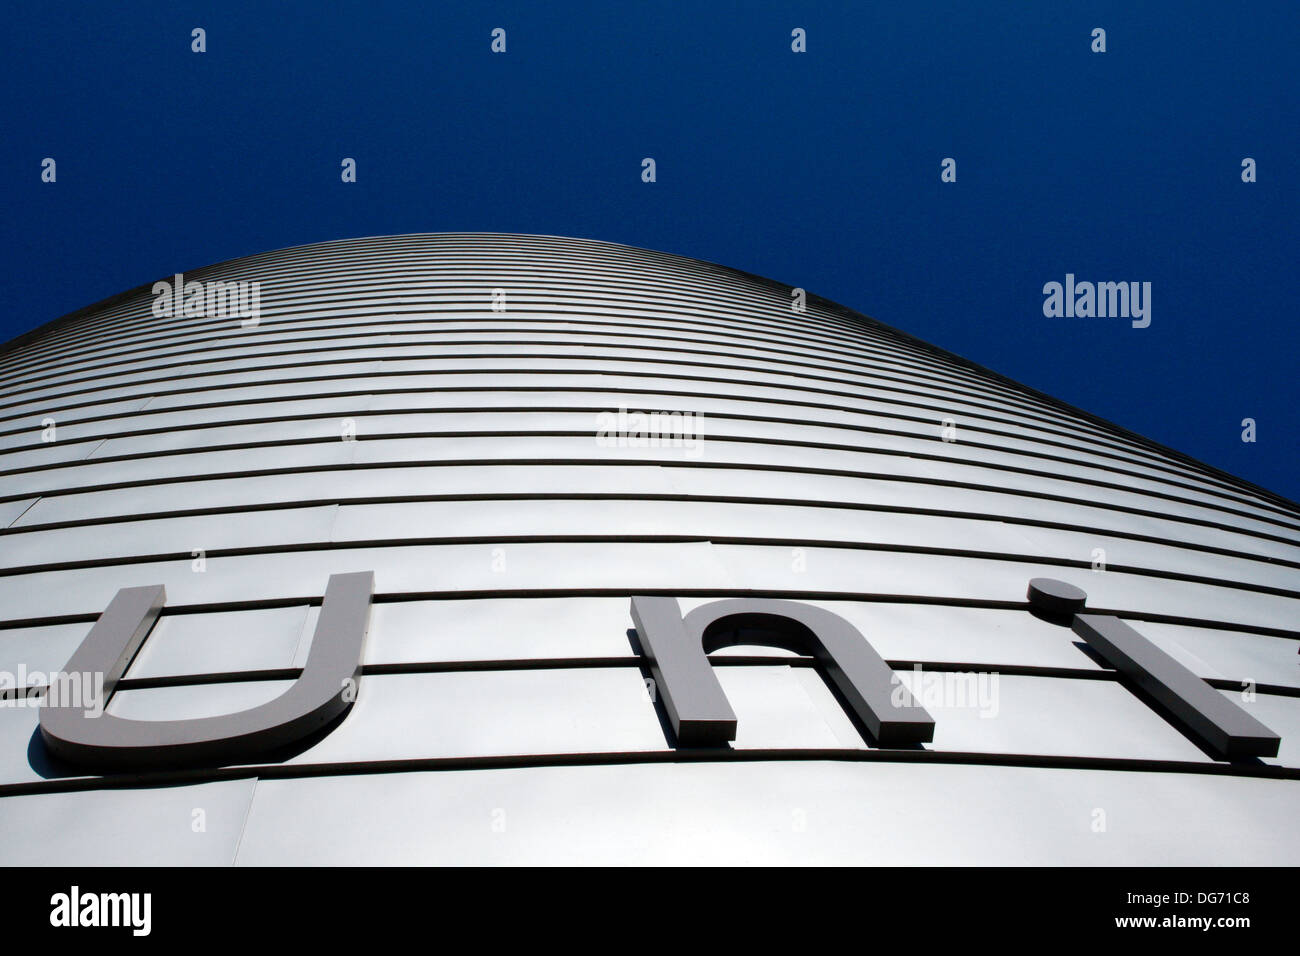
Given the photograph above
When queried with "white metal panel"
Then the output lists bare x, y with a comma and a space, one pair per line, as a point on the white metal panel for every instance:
193, 701
782, 706
11, 511
196, 825
42, 649
179, 535
193, 644
463, 714
813, 812
500, 629
1232, 655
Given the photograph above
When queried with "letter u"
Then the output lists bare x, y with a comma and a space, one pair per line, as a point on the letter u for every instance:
318, 696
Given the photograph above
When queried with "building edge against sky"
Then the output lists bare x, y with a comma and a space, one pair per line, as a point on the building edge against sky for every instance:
517, 435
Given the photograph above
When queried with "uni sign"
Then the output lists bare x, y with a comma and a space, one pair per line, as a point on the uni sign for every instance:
500, 548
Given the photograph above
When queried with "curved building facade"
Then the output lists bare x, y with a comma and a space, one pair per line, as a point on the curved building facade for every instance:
411, 550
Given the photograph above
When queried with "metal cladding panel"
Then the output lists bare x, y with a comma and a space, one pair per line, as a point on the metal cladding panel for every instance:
468, 416
768, 813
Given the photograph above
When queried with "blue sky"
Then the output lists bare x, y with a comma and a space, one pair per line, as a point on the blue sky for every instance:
818, 169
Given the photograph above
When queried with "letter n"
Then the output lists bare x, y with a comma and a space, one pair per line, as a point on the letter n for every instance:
694, 701
324, 690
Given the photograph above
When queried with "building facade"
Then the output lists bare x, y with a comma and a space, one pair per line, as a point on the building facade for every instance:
501, 444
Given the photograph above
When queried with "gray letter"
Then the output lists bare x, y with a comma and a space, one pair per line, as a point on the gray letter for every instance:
1203, 712
695, 702
316, 697
1227, 729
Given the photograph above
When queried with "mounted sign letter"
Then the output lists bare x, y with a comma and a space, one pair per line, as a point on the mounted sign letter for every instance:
1203, 712
324, 690
1215, 720
677, 649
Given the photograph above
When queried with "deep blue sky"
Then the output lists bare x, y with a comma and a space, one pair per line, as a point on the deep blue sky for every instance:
819, 169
